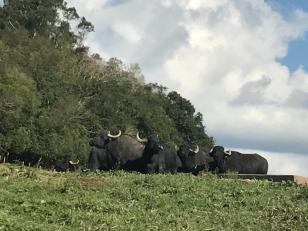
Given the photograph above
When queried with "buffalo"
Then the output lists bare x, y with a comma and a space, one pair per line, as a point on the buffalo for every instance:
146, 155
159, 157
238, 162
63, 166
99, 160
195, 160
114, 151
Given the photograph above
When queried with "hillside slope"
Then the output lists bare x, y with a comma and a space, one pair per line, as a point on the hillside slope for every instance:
33, 199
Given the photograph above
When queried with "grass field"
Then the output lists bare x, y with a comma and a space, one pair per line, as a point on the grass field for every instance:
34, 199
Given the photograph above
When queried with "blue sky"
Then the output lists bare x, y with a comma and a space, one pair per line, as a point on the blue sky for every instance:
286, 6
298, 49
297, 54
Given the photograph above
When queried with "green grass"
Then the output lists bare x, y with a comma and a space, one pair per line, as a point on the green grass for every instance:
34, 199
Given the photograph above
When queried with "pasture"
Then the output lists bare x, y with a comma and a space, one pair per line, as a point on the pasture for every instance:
35, 199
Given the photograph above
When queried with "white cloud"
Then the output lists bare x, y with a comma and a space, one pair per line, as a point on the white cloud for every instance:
222, 55
128, 31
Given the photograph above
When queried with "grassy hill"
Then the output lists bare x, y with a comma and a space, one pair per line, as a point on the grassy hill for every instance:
34, 199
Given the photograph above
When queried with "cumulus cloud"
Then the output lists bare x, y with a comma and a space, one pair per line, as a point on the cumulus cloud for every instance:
252, 93
298, 98
222, 55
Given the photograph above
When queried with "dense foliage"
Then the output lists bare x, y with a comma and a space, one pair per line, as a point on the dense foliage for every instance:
55, 95
32, 199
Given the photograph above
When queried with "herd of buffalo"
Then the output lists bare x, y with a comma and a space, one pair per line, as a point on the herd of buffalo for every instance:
150, 155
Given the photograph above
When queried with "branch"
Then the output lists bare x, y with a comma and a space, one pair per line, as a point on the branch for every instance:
12, 25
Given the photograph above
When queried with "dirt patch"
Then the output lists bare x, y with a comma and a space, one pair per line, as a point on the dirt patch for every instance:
248, 180
92, 182
300, 180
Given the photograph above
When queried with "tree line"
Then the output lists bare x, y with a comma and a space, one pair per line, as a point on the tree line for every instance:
55, 95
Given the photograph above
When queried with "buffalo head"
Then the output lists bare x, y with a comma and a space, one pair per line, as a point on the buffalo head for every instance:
100, 140
152, 142
219, 155
188, 157
63, 166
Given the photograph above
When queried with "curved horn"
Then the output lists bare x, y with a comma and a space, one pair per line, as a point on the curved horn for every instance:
228, 152
141, 140
73, 163
195, 151
114, 136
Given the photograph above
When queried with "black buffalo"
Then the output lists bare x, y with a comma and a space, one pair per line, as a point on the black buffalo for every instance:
238, 162
147, 155
114, 151
63, 166
194, 161
159, 157
99, 160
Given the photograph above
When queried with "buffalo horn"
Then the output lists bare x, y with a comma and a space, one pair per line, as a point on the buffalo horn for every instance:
114, 136
73, 163
141, 140
195, 151
228, 152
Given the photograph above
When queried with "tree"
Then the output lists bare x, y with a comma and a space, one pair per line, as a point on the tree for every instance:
50, 18
188, 123
19, 105
54, 95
